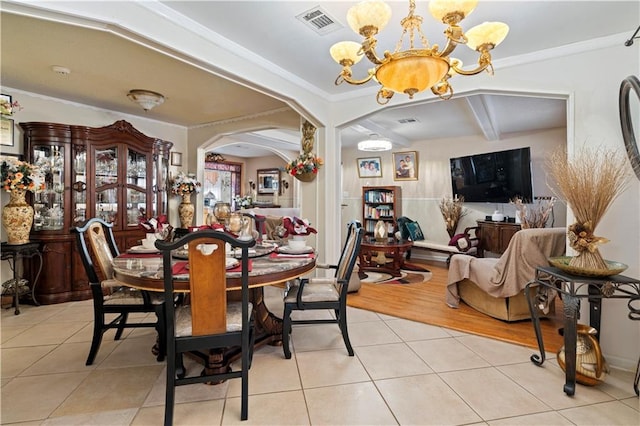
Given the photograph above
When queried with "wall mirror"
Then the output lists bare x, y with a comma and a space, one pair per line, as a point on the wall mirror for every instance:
629, 102
268, 181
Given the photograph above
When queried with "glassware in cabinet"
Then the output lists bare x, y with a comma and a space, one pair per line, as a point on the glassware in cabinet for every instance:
79, 185
49, 204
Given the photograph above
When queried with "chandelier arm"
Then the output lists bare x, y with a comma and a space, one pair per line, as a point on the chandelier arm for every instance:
345, 75
484, 62
455, 36
369, 50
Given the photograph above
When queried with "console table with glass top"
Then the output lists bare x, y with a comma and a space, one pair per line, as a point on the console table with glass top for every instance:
15, 252
570, 288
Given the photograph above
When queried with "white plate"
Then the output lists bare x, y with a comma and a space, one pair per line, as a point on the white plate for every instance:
232, 263
143, 250
289, 250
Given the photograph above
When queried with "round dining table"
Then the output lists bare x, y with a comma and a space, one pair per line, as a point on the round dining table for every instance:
267, 267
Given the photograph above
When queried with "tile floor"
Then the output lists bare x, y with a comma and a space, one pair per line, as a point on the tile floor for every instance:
403, 373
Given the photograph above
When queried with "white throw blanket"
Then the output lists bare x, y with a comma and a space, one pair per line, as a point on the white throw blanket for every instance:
508, 275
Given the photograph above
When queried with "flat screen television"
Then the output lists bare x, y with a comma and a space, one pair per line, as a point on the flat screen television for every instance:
494, 177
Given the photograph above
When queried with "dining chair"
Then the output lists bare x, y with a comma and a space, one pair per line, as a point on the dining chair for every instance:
208, 320
324, 293
109, 296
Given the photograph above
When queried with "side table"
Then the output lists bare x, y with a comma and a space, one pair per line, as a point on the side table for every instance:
386, 256
569, 286
15, 252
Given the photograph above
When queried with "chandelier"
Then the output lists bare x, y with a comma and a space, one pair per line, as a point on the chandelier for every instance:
375, 143
417, 68
145, 98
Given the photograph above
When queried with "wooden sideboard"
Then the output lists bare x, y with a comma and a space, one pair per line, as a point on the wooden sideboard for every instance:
495, 236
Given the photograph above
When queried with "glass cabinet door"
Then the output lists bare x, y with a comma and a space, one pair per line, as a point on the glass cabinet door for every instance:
79, 186
48, 205
106, 183
136, 193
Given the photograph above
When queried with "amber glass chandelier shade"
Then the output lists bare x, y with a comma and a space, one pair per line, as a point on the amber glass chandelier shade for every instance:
369, 14
411, 73
346, 51
487, 33
421, 65
442, 8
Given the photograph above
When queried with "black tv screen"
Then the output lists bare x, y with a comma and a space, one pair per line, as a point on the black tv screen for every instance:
495, 177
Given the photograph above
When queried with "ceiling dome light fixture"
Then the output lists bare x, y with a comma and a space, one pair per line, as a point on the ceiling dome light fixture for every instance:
375, 143
145, 98
417, 68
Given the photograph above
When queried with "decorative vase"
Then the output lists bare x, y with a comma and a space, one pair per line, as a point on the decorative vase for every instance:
185, 210
235, 222
305, 177
591, 366
222, 211
17, 218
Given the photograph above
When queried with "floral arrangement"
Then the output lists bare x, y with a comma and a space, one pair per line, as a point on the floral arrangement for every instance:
21, 176
8, 108
452, 211
184, 184
243, 202
297, 226
306, 162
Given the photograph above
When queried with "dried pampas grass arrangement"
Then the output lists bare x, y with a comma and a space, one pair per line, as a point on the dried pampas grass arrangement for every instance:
589, 182
537, 216
452, 211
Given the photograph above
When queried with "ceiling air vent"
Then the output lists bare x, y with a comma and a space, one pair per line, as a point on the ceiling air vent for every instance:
319, 21
408, 120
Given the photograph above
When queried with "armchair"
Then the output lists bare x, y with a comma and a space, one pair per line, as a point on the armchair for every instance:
324, 293
109, 297
495, 286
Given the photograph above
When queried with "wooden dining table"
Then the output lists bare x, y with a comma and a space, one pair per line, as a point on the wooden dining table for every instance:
267, 267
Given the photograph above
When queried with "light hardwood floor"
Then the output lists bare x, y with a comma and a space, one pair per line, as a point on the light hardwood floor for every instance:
425, 302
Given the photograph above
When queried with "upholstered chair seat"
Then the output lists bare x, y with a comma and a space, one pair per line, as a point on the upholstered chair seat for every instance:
234, 318
316, 290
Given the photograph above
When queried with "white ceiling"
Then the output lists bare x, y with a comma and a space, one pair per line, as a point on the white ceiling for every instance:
106, 63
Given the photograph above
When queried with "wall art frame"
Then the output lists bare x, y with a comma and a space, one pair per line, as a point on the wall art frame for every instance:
369, 167
405, 165
6, 131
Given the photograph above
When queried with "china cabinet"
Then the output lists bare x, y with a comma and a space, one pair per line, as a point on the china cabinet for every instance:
113, 172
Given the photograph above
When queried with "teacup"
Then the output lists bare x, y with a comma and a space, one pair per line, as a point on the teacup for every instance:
149, 242
297, 244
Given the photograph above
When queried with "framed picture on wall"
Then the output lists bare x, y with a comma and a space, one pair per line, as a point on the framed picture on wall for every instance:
405, 165
6, 131
369, 167
9, 157
176, 158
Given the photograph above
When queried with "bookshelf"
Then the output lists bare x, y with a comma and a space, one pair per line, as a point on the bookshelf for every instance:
381, 203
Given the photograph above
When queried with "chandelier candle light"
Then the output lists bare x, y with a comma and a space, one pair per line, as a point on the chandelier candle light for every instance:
417, 68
